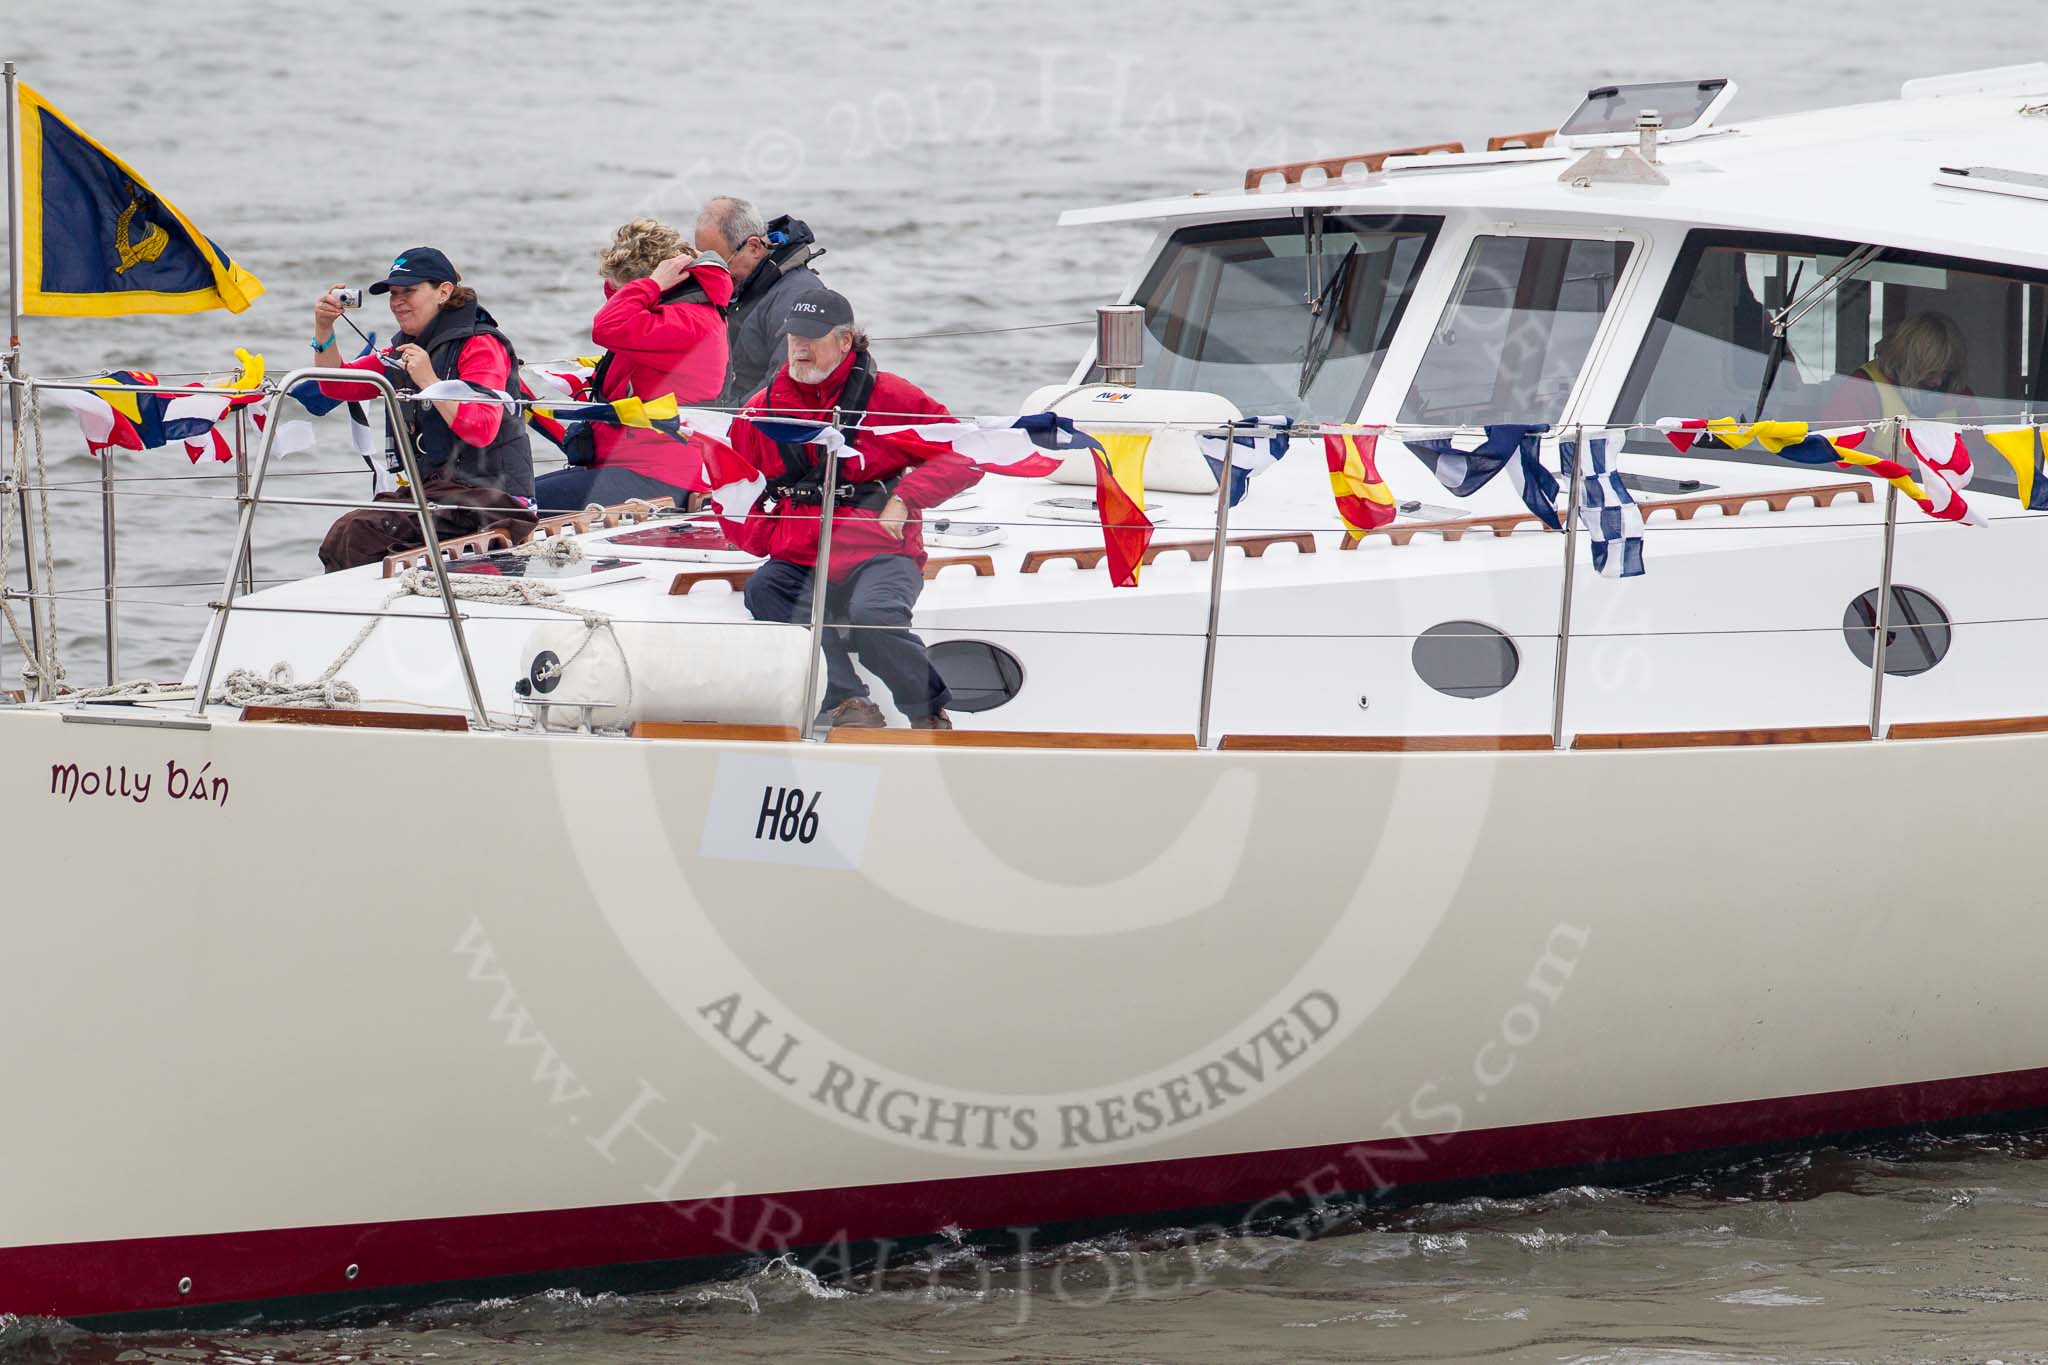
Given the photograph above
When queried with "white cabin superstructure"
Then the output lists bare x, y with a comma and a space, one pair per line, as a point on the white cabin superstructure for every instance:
1743, 597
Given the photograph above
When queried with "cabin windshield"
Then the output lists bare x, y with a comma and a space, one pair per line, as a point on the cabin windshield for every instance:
1516, 332
1226, 308
1901, 333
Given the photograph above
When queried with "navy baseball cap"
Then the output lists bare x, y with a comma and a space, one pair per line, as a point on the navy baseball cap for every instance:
421, 265
815, 315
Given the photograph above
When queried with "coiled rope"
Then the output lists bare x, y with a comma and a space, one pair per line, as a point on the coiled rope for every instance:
280, 687
245, 687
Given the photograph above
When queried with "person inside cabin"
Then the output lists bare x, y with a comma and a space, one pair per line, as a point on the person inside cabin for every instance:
663, 329
771, 270
1918, 370
474, 458
877, 557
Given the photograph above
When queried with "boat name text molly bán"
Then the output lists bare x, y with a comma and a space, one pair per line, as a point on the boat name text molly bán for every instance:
140, 785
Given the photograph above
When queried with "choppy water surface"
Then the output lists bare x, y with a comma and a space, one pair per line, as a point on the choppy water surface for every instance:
932, 148
1920, 1251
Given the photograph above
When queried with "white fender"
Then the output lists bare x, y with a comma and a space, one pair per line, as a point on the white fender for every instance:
722, 673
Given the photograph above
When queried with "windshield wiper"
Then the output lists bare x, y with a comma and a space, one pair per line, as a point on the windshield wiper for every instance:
1787, 317
1775, 357
1322, 323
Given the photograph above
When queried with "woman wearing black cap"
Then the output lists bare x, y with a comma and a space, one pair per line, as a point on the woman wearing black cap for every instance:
474, 457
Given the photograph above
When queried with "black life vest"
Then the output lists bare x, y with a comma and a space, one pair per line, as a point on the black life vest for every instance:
803, 464
506, 464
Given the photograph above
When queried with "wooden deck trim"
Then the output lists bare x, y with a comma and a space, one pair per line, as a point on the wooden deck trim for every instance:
1705, 739
498, 538
1333, 166
736, 579
579, 523
660, 729
1684, 509
482, 543
1254, 547
1507, 142
1778, 500
354, 720
1382, 744
983, 565
1010, 739
1959, 729
1401, 532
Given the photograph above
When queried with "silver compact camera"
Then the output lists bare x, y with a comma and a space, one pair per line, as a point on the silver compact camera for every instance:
349, 298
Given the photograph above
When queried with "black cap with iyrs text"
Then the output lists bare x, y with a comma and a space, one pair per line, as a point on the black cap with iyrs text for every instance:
815, 315
421, 265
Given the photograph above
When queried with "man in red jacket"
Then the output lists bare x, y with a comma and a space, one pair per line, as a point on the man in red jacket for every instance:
877, 567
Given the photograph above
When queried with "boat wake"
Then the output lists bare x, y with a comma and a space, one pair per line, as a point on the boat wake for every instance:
1732, 1232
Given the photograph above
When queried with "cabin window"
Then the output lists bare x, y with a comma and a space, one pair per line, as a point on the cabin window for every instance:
1465, 659
981, 676
1869, 335
1227, 308
1516, 333
1916, 631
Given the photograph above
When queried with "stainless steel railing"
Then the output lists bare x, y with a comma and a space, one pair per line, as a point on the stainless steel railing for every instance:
239, 566
250, 485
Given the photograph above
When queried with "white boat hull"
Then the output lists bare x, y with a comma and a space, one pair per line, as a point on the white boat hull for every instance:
384, 1013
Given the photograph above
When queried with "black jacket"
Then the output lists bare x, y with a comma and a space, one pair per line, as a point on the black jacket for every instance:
758, 319
506, 464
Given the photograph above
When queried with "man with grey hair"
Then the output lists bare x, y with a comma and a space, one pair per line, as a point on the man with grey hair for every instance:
771, 272
880, 492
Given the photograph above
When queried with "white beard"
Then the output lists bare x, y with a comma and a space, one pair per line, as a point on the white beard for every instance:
810, 374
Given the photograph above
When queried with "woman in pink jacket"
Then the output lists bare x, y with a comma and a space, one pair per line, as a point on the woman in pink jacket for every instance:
663, 332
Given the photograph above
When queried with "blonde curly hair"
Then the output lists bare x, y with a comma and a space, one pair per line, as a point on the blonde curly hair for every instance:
1924, 351
638, 247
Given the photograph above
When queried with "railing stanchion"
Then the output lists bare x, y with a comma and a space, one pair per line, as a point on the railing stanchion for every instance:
242, 490
1577, 448
110, 593
431, 540
1216, 557
1881, 616
38, 606
821, 576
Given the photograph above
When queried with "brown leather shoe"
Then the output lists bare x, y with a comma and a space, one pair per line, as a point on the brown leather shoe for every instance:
855, 713
937, 720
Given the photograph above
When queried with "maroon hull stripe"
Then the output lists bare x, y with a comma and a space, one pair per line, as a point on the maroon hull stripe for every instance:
88, 1279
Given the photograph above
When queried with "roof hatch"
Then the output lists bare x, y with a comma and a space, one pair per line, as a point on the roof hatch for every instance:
1607, 117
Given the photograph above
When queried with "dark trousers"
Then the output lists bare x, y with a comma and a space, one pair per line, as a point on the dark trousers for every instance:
367, 535
576, 487
876, 599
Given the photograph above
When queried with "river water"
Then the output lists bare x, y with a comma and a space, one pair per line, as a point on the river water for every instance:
1918, 1251
931, 149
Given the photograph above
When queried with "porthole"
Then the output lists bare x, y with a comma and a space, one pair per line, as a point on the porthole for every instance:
1916, 634
981, 676
1465, 659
